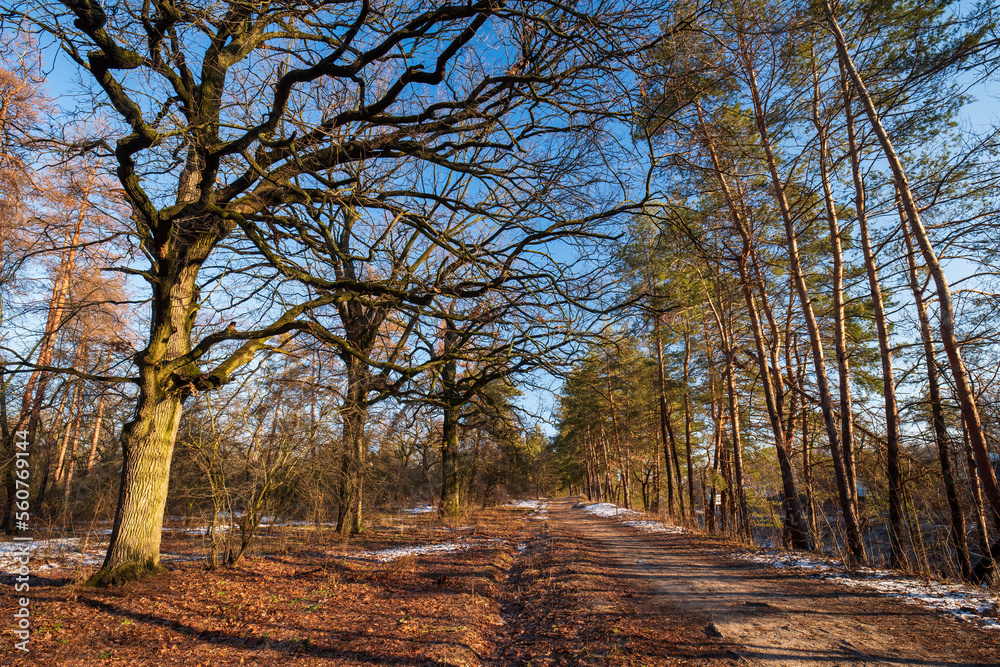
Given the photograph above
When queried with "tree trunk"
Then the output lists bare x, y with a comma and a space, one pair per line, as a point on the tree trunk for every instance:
808, 477
963, 388
982, 532
623, 468
937, 418
607, 464
148, 439
688, 426
854, 542
450, 501
147, 446
893, 474
74, 419
740, 510
355, 414
34, 391
793, 529
70, 469
840, 335
92, 457
664, 417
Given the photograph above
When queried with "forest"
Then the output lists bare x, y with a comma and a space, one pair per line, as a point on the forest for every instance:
731, 264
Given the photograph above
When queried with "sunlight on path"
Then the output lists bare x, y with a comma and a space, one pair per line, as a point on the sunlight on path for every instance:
975, 605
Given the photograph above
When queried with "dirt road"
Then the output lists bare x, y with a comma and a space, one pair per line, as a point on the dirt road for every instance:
709, 608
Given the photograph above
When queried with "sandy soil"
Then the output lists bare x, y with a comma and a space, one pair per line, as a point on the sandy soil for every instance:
765, 616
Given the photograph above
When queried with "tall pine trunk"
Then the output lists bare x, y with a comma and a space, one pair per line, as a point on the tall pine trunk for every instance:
837, 279
893, 473
963, 388
664, 417
688, 425
845, 493
937, 418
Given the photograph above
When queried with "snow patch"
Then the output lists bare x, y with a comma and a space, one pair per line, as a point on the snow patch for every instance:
654, 527
525, 504
631, 518
386, 555
47, 554
423, 509
974, 605
609, 510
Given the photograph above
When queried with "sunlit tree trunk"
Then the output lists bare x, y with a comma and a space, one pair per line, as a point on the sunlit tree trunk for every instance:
958, 537
622, 465
607, 465
74, 419
688, 426
851, 522
664, 417
807, 474
355, 413
95, 441
982, 532
793, 528
450, 491
837, 283
148, 439
893, 474
963, 388
35, 388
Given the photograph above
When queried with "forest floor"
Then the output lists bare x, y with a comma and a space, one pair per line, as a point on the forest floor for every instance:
553, 587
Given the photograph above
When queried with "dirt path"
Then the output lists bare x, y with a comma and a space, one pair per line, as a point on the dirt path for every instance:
751, 613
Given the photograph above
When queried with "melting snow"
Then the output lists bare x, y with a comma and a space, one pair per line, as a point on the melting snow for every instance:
423, 509
46, 554
655, 527
974, 605
386, 555
539, 508
525, 504
630, 518
607, 509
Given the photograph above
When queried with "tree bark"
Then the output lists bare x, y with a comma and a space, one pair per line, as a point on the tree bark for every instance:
792, 517
982, 532
840, 335
688, 426
893, 473
34, 391
92, 456
957, 514
148, 439
852, 526
963, 388
623, 468
450, 500
664, 417
354, 407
